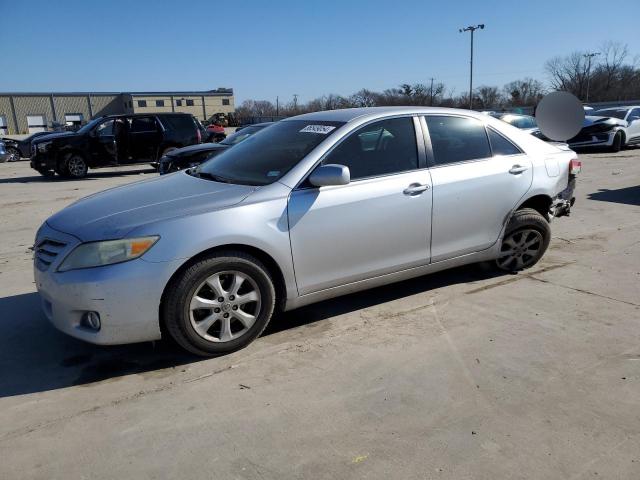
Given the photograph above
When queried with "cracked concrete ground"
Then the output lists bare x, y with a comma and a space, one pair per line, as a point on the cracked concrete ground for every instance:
465, 374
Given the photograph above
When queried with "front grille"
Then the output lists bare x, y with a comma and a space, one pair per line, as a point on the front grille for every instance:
46, 252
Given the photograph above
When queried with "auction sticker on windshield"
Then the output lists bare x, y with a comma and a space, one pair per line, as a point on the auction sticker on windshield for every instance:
323, 129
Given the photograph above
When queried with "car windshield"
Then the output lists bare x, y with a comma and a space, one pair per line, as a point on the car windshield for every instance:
266, 156
90, 125
615, 113
241, 135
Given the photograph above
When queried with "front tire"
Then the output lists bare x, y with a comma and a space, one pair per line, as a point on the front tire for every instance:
526, 238
219, 304
13, 155
74, 166
616, 146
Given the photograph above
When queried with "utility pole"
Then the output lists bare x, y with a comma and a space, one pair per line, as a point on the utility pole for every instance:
431, 93
589, 56
471, 29
277, 106
295, 102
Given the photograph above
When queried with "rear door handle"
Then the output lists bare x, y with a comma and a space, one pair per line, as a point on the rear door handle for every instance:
415, 189
516, 169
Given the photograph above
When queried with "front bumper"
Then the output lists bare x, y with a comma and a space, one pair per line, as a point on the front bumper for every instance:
42, 161
600, 139
126, 296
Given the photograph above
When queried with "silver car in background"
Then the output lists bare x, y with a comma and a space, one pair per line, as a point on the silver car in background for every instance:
316, 206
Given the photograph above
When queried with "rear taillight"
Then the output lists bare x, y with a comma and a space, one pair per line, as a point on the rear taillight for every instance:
199, 135
575, 166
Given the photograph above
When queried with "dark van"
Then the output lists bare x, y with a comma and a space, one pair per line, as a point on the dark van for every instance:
112, 141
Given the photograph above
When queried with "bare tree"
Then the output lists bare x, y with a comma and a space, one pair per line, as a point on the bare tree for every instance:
525, 92
488, 97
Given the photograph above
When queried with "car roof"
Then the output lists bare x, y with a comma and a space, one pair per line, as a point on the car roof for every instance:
350, 114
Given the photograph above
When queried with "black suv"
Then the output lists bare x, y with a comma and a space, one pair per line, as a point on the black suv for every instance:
114, 140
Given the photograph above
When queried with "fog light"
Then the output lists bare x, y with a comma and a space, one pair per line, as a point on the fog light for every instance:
91, 320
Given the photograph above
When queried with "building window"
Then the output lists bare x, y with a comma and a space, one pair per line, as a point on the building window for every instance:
178, 103
225, 101
159, 103
142, 103
4, 130
189, 103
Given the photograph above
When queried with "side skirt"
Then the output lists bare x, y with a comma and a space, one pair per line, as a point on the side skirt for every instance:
489, 254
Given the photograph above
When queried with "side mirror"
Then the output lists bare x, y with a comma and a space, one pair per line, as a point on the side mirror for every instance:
327, 175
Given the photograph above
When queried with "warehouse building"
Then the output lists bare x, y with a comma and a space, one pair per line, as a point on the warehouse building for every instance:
23, 113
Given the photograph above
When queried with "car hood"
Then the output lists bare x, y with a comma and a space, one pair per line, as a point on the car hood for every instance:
51, 136
592, 119
114, 213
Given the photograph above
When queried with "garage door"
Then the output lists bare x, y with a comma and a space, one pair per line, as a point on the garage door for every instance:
36, 123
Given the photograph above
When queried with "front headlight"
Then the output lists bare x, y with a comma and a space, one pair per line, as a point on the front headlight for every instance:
97, 254
44, 146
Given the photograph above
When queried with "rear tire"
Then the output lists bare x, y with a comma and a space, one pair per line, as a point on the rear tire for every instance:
526, 238
219, 304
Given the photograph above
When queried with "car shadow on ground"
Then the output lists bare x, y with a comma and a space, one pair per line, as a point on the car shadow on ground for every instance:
34, 357
92, 175
628, 195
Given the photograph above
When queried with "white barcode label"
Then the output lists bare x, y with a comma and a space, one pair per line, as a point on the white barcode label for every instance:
322, 129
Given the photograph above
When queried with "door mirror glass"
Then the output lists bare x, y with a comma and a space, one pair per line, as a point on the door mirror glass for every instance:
327, 175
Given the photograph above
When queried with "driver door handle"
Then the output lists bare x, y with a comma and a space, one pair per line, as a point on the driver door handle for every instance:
415, 189
516, 169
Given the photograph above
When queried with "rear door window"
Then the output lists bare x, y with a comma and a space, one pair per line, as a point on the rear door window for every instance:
143, 125
457, 139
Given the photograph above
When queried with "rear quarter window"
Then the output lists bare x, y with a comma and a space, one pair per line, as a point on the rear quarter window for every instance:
182, 124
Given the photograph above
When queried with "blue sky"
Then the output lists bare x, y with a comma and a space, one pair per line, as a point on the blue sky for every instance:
269, 48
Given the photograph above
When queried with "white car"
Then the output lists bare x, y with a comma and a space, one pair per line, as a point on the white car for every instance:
614, 127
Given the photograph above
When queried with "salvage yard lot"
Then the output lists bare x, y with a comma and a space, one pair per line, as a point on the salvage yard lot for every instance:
458, 375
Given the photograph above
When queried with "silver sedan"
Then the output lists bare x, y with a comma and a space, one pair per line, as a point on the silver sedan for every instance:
312, 207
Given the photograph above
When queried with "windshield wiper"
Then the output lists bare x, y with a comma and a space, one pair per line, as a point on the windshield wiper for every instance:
211, 176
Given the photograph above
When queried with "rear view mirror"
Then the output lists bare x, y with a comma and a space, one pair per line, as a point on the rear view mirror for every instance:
327, 175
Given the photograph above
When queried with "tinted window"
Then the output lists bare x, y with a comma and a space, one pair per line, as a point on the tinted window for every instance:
225, 101
105, 128
635, 113
159, 103
142, 103
143, 124
500, 145
456, 139
179, 123
189, 103
266, 156
381, 148
178, 103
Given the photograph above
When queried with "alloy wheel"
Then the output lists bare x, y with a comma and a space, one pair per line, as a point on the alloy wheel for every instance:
76, 166
520, 249
225, 306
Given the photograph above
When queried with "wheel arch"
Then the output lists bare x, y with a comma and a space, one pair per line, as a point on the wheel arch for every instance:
268, 261
540, 203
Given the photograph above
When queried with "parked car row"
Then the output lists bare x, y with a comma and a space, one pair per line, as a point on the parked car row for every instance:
613, 128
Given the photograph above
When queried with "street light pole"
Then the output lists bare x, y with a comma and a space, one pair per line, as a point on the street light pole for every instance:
471, 29
589, 56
